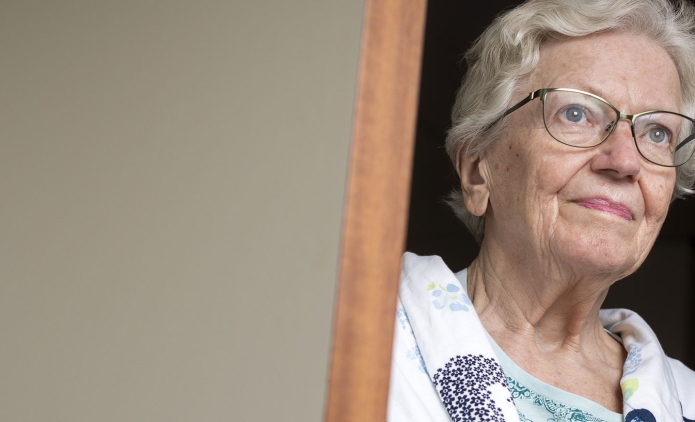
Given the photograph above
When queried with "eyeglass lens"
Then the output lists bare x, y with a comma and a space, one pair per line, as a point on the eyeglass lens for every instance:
581, 120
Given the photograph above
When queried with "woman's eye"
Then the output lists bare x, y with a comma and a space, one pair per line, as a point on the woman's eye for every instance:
574, 114
657, 135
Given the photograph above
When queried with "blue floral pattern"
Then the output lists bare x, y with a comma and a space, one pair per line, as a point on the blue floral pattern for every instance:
403, 321
523, 418
464, 385
558, 412
449, 296
414, 354
634, 358
640, 415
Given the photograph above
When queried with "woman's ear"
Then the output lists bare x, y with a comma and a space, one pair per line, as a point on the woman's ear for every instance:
474, 182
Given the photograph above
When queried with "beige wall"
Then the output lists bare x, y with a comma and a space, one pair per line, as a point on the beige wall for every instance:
171, 185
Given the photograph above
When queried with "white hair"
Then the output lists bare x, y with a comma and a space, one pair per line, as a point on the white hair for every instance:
509, 50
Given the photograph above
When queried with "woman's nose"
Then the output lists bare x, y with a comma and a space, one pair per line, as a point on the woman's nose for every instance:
618, 155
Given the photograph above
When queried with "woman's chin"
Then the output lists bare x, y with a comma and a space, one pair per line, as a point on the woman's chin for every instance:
599, 255
601, 243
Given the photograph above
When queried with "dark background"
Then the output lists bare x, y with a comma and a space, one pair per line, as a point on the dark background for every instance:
661, 291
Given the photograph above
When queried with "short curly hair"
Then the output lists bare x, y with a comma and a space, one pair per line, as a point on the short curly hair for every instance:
509, 50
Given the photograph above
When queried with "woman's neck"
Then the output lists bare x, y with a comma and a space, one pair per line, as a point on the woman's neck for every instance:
549, 311
548, 322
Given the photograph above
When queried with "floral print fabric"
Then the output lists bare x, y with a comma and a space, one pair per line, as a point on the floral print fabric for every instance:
444, 366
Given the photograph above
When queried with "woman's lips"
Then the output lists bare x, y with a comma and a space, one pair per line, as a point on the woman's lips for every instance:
606, 205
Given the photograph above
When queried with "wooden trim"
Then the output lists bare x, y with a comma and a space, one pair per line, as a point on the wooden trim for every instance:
376, 210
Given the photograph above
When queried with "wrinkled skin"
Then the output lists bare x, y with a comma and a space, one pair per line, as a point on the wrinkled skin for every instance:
547, 258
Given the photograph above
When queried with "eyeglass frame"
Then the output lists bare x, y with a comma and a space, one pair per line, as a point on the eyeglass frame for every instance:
541, 93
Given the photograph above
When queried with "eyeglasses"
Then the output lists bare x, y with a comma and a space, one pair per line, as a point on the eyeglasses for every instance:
583, 120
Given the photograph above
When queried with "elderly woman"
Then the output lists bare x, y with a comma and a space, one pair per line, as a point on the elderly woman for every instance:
572, 133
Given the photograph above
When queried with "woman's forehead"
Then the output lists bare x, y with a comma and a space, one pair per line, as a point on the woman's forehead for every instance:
626, 69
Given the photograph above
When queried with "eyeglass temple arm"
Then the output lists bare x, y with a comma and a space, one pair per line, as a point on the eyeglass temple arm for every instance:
516, 106
685, 141
521, 103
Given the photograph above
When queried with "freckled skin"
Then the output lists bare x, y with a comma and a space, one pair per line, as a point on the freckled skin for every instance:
546, 262
550, 176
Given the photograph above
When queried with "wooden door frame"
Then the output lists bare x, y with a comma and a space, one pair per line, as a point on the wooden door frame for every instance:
376, 209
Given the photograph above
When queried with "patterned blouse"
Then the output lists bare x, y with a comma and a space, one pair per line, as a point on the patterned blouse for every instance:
537, 401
